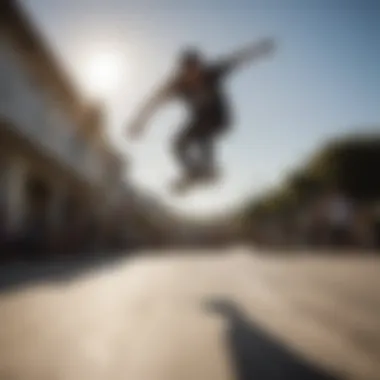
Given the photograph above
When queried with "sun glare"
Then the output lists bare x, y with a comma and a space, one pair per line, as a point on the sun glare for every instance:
103, 72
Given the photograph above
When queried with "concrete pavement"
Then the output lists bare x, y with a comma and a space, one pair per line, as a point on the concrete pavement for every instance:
229, 315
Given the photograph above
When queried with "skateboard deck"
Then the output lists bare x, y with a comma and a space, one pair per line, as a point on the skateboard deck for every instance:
186, 183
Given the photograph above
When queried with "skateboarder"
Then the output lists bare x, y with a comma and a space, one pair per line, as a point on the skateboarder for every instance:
198, 83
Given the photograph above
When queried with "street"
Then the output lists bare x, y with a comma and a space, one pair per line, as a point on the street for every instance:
223, 315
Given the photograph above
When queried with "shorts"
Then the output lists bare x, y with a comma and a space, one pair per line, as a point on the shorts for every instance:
209, 122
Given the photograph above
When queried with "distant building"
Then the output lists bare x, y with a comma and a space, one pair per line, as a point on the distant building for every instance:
60, 181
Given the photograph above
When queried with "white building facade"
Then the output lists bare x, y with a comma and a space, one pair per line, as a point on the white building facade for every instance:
59, 178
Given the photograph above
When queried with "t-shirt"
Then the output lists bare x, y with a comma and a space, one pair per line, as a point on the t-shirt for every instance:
205, 94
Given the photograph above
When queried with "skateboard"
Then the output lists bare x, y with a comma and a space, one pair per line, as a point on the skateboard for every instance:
186, 183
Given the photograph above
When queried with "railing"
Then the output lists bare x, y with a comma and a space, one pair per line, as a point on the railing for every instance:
33, 114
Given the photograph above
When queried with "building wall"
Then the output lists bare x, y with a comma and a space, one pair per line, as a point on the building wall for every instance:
59, 179
34, 113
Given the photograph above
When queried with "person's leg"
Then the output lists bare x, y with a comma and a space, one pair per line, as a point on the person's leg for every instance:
194, 146
206, 153
206, 142
183, 146
214, 123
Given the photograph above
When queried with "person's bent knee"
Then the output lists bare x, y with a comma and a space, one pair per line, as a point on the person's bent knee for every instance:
179, 146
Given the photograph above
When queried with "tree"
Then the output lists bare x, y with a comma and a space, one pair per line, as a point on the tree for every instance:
303, 185
350, 164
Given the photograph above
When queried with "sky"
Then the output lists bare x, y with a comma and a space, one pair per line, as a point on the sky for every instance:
323, 81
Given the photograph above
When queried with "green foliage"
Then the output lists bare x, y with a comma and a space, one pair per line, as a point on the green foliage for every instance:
351, 164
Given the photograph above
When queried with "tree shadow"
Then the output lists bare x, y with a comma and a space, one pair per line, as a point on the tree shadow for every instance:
258, 355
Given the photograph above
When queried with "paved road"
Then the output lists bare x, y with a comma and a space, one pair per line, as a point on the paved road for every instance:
231, 315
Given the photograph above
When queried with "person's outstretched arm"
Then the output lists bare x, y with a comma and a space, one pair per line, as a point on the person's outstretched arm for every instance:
140, 121
256, 50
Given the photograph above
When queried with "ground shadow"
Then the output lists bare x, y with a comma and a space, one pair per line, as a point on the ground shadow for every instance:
258, 355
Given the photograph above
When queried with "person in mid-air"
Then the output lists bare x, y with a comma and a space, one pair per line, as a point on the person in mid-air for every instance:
199, 84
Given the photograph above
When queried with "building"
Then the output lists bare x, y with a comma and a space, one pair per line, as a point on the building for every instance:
60, 180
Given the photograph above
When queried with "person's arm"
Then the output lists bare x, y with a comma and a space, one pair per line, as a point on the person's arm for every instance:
149, 108
257, 50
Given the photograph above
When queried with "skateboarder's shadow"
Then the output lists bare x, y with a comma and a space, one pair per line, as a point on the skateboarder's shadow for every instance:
256, 354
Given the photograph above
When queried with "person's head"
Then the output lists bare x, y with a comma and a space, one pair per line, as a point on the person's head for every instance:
190, 61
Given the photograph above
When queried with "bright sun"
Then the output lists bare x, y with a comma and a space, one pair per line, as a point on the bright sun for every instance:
103, 72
